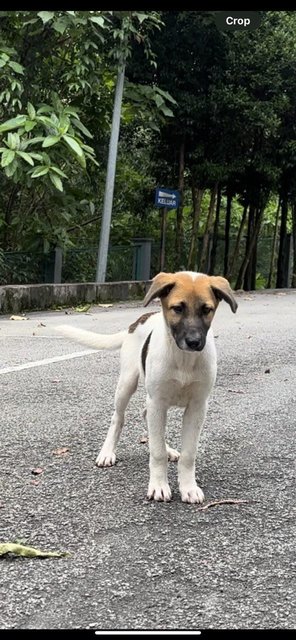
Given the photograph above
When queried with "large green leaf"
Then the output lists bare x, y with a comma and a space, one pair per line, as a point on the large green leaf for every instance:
56, 181
13, 140
7, 157
25, 157
45, 120
18, 68
36, 156
14, 123
159, 100
58, 171
142, 16
98, 20
50, 141
166, 111
33, 141
11, 169
60, 26
45, 16
71, 142
39, 171
31, 111
79, 125
29, 125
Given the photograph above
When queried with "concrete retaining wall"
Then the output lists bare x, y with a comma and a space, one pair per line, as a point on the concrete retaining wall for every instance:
17, 298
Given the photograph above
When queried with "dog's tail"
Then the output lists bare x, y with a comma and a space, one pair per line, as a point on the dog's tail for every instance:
92, 339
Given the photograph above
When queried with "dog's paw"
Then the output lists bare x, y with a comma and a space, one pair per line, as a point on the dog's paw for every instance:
173, 454
106, 459
159, 491
192, 494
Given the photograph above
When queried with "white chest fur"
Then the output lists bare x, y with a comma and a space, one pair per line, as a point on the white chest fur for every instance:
175, 375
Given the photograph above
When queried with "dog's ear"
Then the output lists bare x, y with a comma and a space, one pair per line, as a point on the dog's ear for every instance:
161, 286
223, 291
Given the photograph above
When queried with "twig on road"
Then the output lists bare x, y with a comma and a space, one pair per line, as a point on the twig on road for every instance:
215, 503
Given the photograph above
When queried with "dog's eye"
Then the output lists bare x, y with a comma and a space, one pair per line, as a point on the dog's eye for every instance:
206, 310
177, 308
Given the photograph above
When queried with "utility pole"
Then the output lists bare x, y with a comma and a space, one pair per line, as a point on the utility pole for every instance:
110, 177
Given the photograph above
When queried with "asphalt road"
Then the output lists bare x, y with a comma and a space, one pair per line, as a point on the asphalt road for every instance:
136, 564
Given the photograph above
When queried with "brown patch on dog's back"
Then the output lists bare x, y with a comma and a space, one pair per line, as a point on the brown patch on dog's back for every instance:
140, 320
145, 351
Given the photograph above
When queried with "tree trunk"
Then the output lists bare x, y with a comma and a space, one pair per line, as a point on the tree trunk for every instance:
253, 266
274, 243
203, 264
197, 195
293, 284
238, 241
281, 270
8, 217
251, 244
216, 231
251, 224
227, 231
179, 241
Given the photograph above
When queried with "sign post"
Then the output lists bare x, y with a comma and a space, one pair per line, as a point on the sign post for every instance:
164, 212
165, 199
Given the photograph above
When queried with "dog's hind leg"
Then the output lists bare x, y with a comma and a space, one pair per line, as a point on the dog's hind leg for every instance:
126, 386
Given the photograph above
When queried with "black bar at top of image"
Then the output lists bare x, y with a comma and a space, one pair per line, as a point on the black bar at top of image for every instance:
148, 5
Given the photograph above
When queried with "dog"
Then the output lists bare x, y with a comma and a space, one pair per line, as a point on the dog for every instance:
173, 352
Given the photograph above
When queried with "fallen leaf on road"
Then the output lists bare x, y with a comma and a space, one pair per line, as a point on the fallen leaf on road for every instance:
248, 298
18, 318
280, 293
41, 324
34, 482
29, 552
37, 471
215, 503
55, 381
267, 371
82, 309
105, 305
143, 439
235, 391
61, 451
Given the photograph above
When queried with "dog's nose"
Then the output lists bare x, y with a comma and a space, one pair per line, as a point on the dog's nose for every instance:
194, 343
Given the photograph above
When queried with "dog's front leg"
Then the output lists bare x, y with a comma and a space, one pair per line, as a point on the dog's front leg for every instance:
193, 421
158, 488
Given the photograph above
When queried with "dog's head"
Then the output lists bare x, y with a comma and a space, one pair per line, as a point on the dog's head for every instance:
189, 301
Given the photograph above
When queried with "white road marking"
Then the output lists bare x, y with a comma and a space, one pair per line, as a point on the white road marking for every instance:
40, 363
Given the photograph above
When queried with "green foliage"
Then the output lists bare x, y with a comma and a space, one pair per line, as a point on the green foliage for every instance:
43, 128
229, 97
57, 79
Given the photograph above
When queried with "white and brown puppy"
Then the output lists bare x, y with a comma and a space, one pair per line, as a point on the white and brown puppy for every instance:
173, 352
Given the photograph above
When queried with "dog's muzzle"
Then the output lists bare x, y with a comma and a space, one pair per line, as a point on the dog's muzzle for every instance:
192, 344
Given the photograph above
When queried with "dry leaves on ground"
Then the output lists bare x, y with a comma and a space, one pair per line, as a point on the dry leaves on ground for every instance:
60, 451
18, 318
29, 552
37, 471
